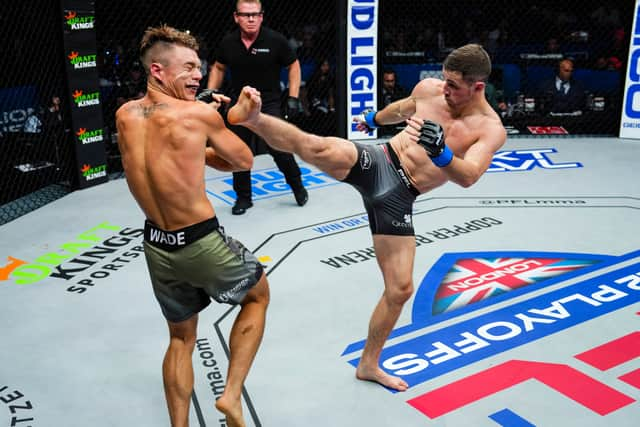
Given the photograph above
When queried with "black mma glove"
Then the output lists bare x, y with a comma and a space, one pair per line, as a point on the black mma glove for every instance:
292, 108
432, 140
206, 95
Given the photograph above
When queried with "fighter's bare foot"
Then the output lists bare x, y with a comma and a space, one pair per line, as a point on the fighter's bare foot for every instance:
247, 108
381, 377
232, 411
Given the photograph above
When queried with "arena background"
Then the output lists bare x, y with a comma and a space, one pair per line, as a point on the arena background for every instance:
41, 166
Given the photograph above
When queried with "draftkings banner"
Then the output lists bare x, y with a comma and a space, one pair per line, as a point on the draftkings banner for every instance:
84, 91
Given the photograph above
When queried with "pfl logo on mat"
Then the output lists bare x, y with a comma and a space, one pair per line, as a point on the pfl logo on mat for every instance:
76, 22
526, 160
89, 173
83, 100
88, 136
82, 61
463, 283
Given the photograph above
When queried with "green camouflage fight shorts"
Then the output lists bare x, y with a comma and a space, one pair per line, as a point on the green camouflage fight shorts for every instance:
190, 266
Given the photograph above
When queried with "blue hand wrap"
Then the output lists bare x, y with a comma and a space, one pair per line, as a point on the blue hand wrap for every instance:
370, 119
444, 158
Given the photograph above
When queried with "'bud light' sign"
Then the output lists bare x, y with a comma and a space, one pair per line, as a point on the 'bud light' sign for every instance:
362, 57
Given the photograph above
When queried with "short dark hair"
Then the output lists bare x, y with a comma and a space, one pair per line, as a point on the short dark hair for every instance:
566, 59
470, 60
160, 39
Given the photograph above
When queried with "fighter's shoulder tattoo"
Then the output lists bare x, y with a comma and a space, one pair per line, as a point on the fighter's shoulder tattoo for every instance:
146, 110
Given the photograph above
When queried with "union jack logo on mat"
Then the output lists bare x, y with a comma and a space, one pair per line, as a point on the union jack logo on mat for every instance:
460, 280
474, 279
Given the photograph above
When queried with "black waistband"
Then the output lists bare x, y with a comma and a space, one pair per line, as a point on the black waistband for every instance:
398, 167
176, 239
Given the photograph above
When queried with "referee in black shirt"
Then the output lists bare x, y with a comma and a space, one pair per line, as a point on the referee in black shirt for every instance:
255, 55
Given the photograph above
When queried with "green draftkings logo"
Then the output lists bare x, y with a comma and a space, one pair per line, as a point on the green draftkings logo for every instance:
92, 172
76, 22
93, 254
82, 99
88, 136
82, 61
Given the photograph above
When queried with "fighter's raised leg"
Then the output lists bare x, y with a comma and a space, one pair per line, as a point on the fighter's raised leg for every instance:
335, 156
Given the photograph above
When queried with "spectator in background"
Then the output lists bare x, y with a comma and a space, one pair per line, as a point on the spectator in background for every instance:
45, 119
321, 88
391, 89
563, 93
606, 17
320, 95
53, 116
614, 45
552, 46
495, 98
54, 127
607, 63
308, 49
494, 93
618, 49
133, 86
32, 124
391, 92
295, 38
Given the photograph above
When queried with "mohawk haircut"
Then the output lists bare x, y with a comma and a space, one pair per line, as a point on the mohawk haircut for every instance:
157, 40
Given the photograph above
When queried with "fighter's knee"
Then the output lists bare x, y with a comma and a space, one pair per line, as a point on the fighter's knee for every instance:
190, 342
183, 342
259, 294
263, 298
400, 293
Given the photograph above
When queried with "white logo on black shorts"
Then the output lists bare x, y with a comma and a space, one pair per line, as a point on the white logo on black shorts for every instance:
365, 160
406, 224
